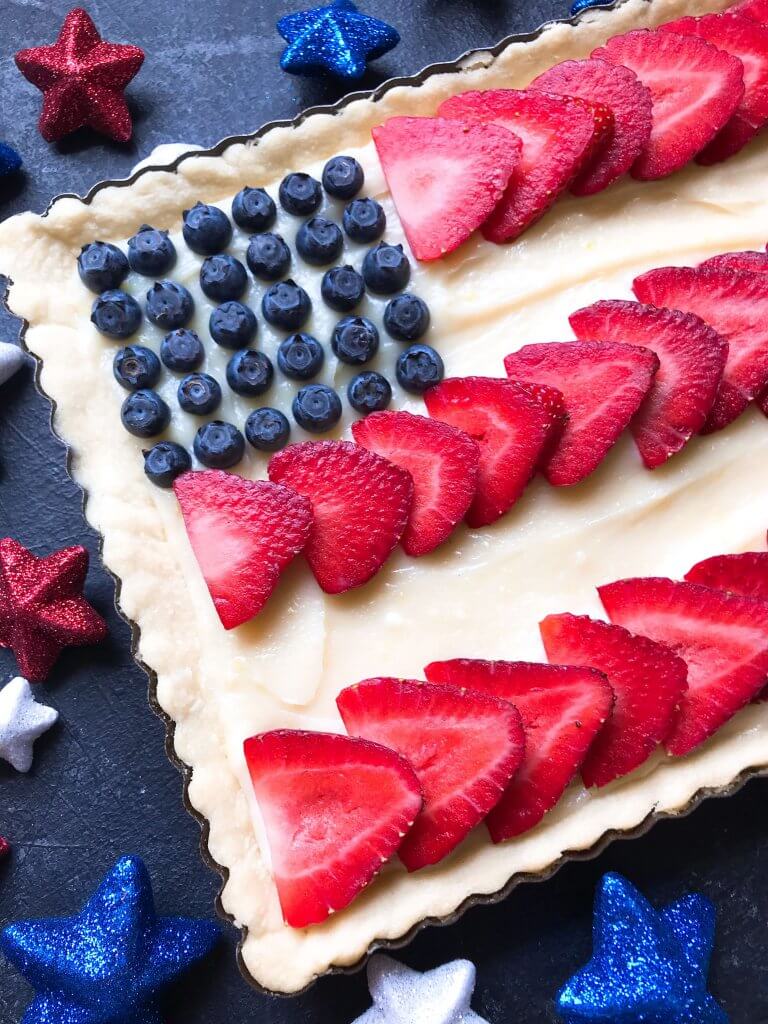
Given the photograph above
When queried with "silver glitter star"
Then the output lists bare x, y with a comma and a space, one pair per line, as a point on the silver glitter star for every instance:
22, 720
403, 996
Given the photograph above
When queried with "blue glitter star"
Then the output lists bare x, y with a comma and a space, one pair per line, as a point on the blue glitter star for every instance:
106, 964
10, 161
582, 5
647, 965
336, 38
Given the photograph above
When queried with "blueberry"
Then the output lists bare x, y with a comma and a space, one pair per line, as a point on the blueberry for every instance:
300, 356
199, 393
207, 229
317, 408
300, 194
151, 252
116, 314
369, 392
267, 429
232, 325
169, 305
182, 350
364, 220
406, 317
419, 368
342, 288
343, 177
268, 256
249, 372
145, 414
102, 266
136, 367
253, 209
355, 340
286, 305
386, 269
219, 445
223, 277
165, 461
319, 241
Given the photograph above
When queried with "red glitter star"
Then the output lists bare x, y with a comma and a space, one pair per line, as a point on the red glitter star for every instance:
5, 847
42, 609
82, 79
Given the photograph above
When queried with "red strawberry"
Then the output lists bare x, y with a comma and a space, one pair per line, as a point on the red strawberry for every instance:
756, 261
647, 679
602, 383
735, 303
748, 41
443, 463
686, 115
745, 574
512, 429
360, 504
562, 708
464, 747
722, 638
243, 533
692, 358
626, 97
445, 178
757, 10
334, 809
557, 133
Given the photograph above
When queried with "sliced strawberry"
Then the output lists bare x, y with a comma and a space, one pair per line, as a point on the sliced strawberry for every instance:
360, 504
512, 429
443, 462
603, 385
695, 88
557, 133
464, 747
647, 679
243, 533
757, 10
334, 810
692, 359
445, 178
626, 97
562, 708
745, 574
756, 261
722, 638
735, 303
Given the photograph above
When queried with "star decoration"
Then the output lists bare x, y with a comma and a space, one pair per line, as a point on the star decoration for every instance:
646, 965
106, 964
42, 609
10, 161
401, 996
336, 38
582, 5
11, 359
82, 79
5, 847
22, 720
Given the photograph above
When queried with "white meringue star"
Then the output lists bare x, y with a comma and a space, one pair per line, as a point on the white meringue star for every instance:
12, 359
403, 996
22, 720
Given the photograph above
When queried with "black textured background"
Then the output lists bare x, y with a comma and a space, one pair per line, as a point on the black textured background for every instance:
101, 785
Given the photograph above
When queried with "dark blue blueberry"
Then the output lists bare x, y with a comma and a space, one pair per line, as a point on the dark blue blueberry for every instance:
219, 445
268, 256
249, 372
165, 461
286, 305
343, 177
116, 314
386, 269
253, 209
364, 220
300, 356
419, 368
151, 252
355, 340
267, 429
182, 350
223, 278
136, 367
207, 229
199, 393
232, 325
169, 305
300, 194
145, 414
342, 288
369, 392
102, 266
317, 408
406, 317
319, 241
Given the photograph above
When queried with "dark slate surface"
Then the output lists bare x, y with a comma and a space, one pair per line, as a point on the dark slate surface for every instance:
101, 785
